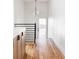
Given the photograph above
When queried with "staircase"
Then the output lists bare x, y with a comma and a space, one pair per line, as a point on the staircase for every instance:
30, 32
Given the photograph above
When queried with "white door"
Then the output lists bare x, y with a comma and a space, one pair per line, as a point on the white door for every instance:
42, 28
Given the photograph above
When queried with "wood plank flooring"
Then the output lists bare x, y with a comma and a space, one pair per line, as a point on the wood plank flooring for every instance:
44, 49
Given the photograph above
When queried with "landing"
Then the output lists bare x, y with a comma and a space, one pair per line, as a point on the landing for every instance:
43, 50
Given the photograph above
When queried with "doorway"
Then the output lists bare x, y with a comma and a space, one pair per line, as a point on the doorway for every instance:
42, 28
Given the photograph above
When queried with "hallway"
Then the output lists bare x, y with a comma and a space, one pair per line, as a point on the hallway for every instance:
44, 49
35, 21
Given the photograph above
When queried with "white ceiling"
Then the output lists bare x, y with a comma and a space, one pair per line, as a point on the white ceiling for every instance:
37, 0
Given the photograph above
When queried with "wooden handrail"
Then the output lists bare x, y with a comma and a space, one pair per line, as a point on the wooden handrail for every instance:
19, 47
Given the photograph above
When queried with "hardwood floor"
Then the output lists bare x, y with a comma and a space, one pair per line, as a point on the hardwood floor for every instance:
45, 49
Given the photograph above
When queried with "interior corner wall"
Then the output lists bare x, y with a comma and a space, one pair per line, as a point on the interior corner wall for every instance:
56, 23
29, 12
18, 11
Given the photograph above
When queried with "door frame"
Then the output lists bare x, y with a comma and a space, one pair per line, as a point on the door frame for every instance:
37, 22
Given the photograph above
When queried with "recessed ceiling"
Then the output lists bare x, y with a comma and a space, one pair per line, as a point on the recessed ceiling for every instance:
37, 0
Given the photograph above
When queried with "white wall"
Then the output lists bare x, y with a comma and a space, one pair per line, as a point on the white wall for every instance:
24, 11
29, 12
42, 7
18, 11
18, 16
56, 23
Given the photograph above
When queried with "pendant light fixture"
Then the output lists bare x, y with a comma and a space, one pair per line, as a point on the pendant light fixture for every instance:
35, 8
36, 11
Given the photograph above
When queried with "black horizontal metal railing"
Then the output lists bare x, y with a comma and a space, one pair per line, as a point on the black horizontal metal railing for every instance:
23, 25
30, 27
